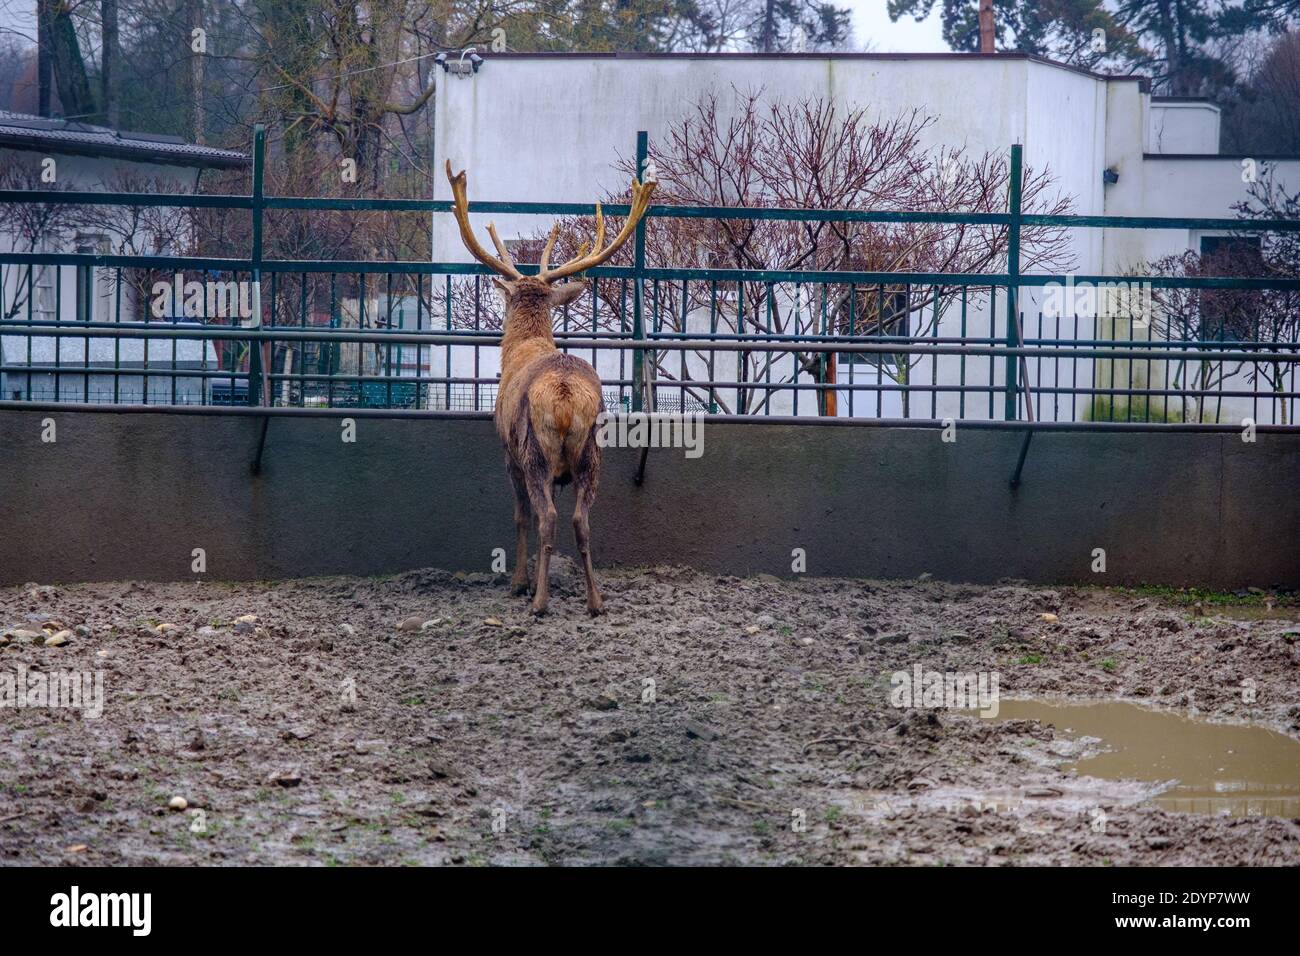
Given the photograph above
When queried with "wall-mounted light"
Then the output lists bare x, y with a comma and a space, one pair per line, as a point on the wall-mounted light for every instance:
1110, 177
466, 64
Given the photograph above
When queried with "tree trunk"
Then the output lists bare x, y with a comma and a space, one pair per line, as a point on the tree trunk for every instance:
1168, 33
69, 67
44, 57
987, 30
109, 63
767, 36
829, 405
194, 19
287, 29
1202, 385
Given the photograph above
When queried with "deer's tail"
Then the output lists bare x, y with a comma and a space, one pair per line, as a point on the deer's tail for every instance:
563, 401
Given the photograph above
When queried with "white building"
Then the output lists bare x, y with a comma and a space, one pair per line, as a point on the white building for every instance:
41, 153
550, 128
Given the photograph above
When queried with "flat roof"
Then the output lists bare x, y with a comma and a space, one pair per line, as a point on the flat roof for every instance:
1235, 157
1010, 55
52, 135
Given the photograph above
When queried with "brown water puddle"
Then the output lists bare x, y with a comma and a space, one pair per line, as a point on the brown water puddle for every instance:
1237, 770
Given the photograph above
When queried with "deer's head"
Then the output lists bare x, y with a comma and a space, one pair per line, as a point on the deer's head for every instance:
529, 299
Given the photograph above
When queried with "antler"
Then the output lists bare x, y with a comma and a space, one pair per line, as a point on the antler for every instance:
584, 261
505, 265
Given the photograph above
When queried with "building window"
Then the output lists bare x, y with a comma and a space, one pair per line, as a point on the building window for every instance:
1234, 250
1230, 313
870, 318
85, 294
85, 304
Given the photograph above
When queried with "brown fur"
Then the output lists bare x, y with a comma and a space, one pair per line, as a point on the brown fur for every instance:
546, 410
547, 402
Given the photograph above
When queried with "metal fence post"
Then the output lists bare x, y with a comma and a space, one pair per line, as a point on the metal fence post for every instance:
638, 320
255, 370
1013, 286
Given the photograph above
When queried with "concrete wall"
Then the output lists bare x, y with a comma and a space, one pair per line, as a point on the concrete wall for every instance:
71, 354
523, 135
1206, 187
1183, 126
97, 173
131, 495
55, 287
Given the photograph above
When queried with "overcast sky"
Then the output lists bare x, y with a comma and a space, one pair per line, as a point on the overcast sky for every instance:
18, 17
871, 26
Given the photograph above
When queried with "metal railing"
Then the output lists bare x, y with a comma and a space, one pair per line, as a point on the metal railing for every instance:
419, 338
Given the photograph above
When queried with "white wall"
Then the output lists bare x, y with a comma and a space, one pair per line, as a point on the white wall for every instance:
571, 143
55, 289
524, 133
99, 173
1183, 127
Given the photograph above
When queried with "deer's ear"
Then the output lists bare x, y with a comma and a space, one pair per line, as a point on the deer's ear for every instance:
504, 286
563, 294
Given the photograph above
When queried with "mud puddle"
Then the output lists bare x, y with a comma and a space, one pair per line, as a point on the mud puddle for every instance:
1233, 770
328, 732
1255, 612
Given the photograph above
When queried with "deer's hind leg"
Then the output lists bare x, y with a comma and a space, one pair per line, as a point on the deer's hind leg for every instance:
538, 482
523, 516
585, 477
539, 494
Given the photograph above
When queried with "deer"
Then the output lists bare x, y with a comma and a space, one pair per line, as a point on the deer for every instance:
548, 402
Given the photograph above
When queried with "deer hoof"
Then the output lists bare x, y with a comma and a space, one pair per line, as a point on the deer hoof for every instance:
539, 609
518, 587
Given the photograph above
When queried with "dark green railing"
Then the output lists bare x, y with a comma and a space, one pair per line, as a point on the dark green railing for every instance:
642, 314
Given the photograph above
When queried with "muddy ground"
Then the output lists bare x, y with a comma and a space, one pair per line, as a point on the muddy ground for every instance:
488, 737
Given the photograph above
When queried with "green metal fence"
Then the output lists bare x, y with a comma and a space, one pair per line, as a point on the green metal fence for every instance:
417, 338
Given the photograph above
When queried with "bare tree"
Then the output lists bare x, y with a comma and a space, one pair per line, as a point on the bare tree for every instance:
110, 63
31, 227
1263, 115
1269, 318
808, 154
1188, 316
1279, 257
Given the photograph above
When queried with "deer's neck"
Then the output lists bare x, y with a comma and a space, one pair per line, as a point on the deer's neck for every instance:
528, 336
